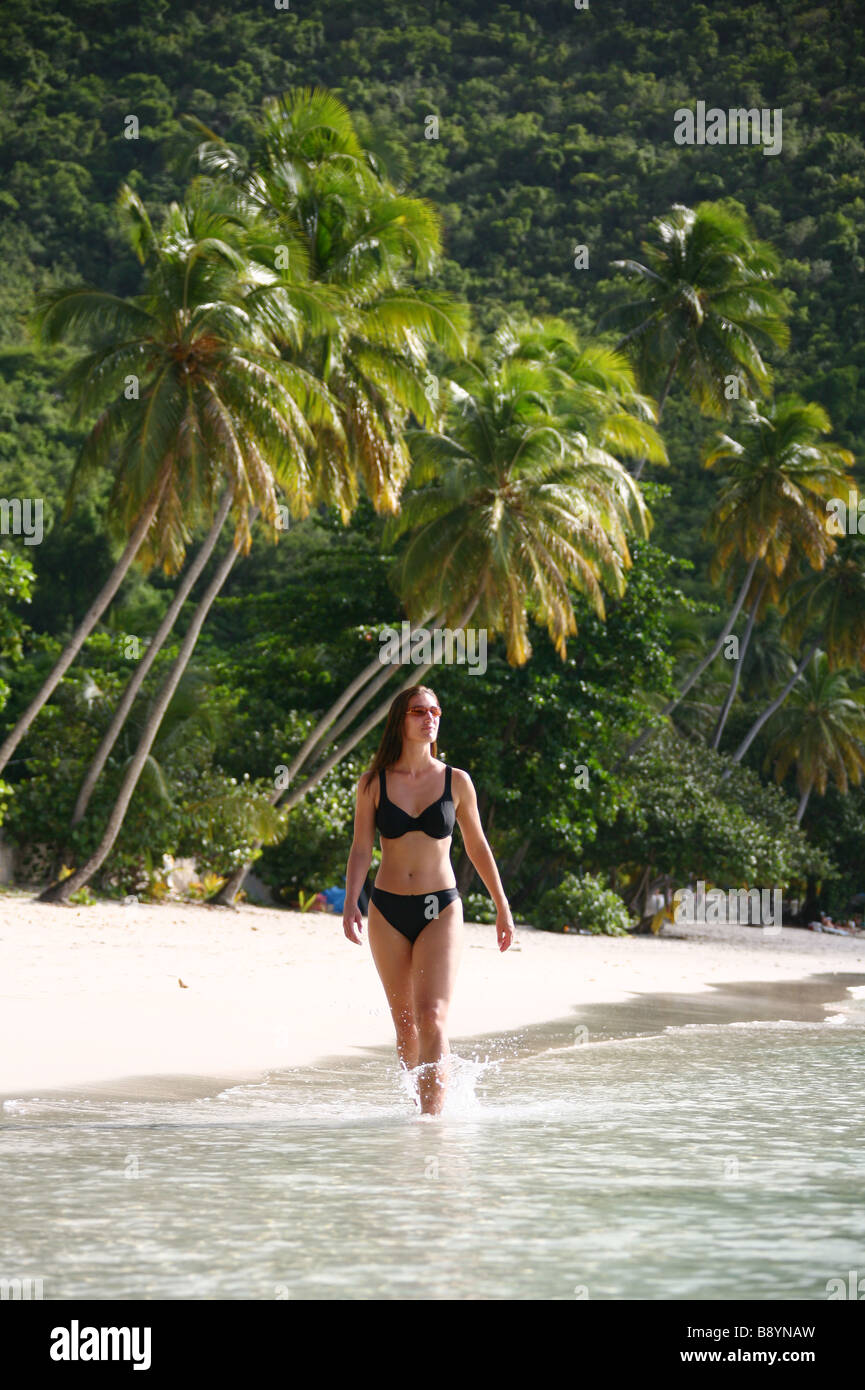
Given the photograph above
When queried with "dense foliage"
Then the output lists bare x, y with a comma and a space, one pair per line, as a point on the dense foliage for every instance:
554, 130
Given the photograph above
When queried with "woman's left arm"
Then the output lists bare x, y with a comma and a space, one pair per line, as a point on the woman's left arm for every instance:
480, 854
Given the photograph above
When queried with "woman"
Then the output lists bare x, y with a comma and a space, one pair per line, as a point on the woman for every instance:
415, 909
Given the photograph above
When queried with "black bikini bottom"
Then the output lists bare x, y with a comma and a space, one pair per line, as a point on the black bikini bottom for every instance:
410, 912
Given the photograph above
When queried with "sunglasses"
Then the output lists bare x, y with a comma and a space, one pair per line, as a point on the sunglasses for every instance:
426, 709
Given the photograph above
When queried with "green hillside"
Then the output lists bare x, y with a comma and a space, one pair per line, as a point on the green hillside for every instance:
554, 131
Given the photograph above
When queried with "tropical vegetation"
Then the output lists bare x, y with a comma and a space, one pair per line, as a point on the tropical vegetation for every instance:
301, 373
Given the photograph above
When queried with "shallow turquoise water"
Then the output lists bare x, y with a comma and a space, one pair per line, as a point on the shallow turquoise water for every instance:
708, 1161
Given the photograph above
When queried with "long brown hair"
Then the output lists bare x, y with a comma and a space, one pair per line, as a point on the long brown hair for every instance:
390, 748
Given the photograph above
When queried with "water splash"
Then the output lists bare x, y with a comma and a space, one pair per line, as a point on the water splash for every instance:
461, 1098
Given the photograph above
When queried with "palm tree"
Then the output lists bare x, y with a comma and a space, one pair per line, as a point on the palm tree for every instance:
773, 501
595, 392
733, 687
821, 733
825, 609
310, 182
508, 511
703, 664
166, 627
159, 486
706, 310
313, 184
303, 136
771, 512
515, 504
144, 467
240, 413
592, 391
207, 230
240, 808
142, 525
62, 890
769, 660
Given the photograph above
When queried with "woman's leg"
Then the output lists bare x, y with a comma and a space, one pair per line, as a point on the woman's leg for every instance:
391, 952
434, 962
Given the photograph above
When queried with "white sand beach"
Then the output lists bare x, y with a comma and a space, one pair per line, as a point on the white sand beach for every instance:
93, 994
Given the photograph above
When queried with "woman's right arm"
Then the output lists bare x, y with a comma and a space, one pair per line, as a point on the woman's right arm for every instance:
359, 860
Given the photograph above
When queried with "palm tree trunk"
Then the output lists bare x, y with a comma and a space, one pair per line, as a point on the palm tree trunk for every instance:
707, 660
290, 799
648, 888
385, 672
316, 737
636, 902
661, 403
154, 647
225, 896
228, 892
87, 624
60, 892
803, 802
737, 672
775, 705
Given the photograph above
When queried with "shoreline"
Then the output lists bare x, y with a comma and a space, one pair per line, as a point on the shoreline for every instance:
643, 1017
172, 1000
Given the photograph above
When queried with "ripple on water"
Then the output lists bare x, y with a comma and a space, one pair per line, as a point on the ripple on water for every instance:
708, 1161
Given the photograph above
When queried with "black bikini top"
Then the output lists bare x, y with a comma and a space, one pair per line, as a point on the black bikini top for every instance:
436, 820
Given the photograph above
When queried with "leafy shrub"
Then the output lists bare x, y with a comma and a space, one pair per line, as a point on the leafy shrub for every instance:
316, 839
478, 907
206, 886
184, 806
82, 897
583, 902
